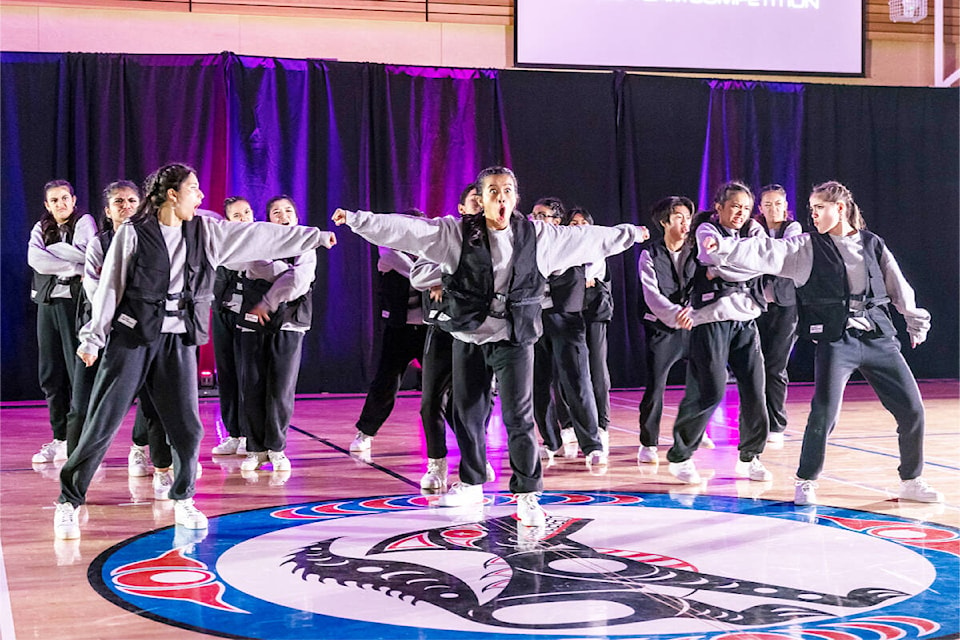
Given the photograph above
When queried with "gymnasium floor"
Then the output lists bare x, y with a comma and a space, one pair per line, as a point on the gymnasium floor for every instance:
344, 548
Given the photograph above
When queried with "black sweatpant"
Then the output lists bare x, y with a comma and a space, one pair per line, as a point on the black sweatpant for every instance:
147, 428
401, 345
473, 369
269, 369
665, 348
561, 355
778, 333
57, 350
712, 347
225, 337
436, 402
883, 366
166, 369
599, 372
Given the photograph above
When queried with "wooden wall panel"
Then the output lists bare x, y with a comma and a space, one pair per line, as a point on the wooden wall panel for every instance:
879, 26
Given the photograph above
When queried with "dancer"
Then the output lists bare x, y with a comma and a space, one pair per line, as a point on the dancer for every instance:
561, 367
120, 200
494, 270
436, 402
666, 273
777, 325
597, 314
404, 335
277, 312
155, 282
228, 296
56, 254
846, 280
723, 332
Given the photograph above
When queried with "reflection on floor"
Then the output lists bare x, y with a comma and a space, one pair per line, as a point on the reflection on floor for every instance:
345, 546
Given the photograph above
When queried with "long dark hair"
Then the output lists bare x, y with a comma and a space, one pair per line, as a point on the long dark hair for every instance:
169, 176
49, 227
108, 191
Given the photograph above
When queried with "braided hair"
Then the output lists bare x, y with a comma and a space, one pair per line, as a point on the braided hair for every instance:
833, 191
155, 187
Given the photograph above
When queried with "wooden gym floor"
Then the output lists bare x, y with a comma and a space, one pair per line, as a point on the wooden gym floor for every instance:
48, 588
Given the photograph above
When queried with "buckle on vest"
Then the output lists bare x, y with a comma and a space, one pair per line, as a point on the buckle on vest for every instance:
498, 311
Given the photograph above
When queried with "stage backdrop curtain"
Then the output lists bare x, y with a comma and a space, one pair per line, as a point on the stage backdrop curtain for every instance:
387, 138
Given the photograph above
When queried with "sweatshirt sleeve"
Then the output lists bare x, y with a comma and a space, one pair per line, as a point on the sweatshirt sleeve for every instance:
393, 260
759, 254
559, 248
229, 243
903, 298
425, 274
658, 303
437, 240
92, 266
294, 282
113, 282
60, 259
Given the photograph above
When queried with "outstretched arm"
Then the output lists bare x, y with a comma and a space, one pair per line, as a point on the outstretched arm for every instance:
559, 248
759, 254
437, 240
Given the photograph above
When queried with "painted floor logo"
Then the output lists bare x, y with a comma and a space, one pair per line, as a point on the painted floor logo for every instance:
606, 565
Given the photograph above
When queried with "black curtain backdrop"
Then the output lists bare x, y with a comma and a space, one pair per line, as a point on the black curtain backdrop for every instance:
384, 137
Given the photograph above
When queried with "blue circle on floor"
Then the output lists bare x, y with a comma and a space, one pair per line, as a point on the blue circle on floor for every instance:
606, 565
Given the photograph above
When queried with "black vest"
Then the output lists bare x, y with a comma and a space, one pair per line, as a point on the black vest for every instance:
85, 307
142, 308
470, 292
784, 291
567, 291
598, 300
668, 280
44, 283
395, 298
824, 301
225, 286
706, 291
298, 312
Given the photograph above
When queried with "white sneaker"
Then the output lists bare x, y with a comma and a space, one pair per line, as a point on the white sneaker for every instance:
605, 440
685, 472
65, 525
53, 451
279, 460
775, 440
529, 511
435, 479
253, 461
162, 482
187, 515
647, 455
754, 470
569, 439
227, 447
597, 458
917, 490
461, 495
805, 492
707, 443
242, 447
546, 456
491, 474
362, 442
137, 465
